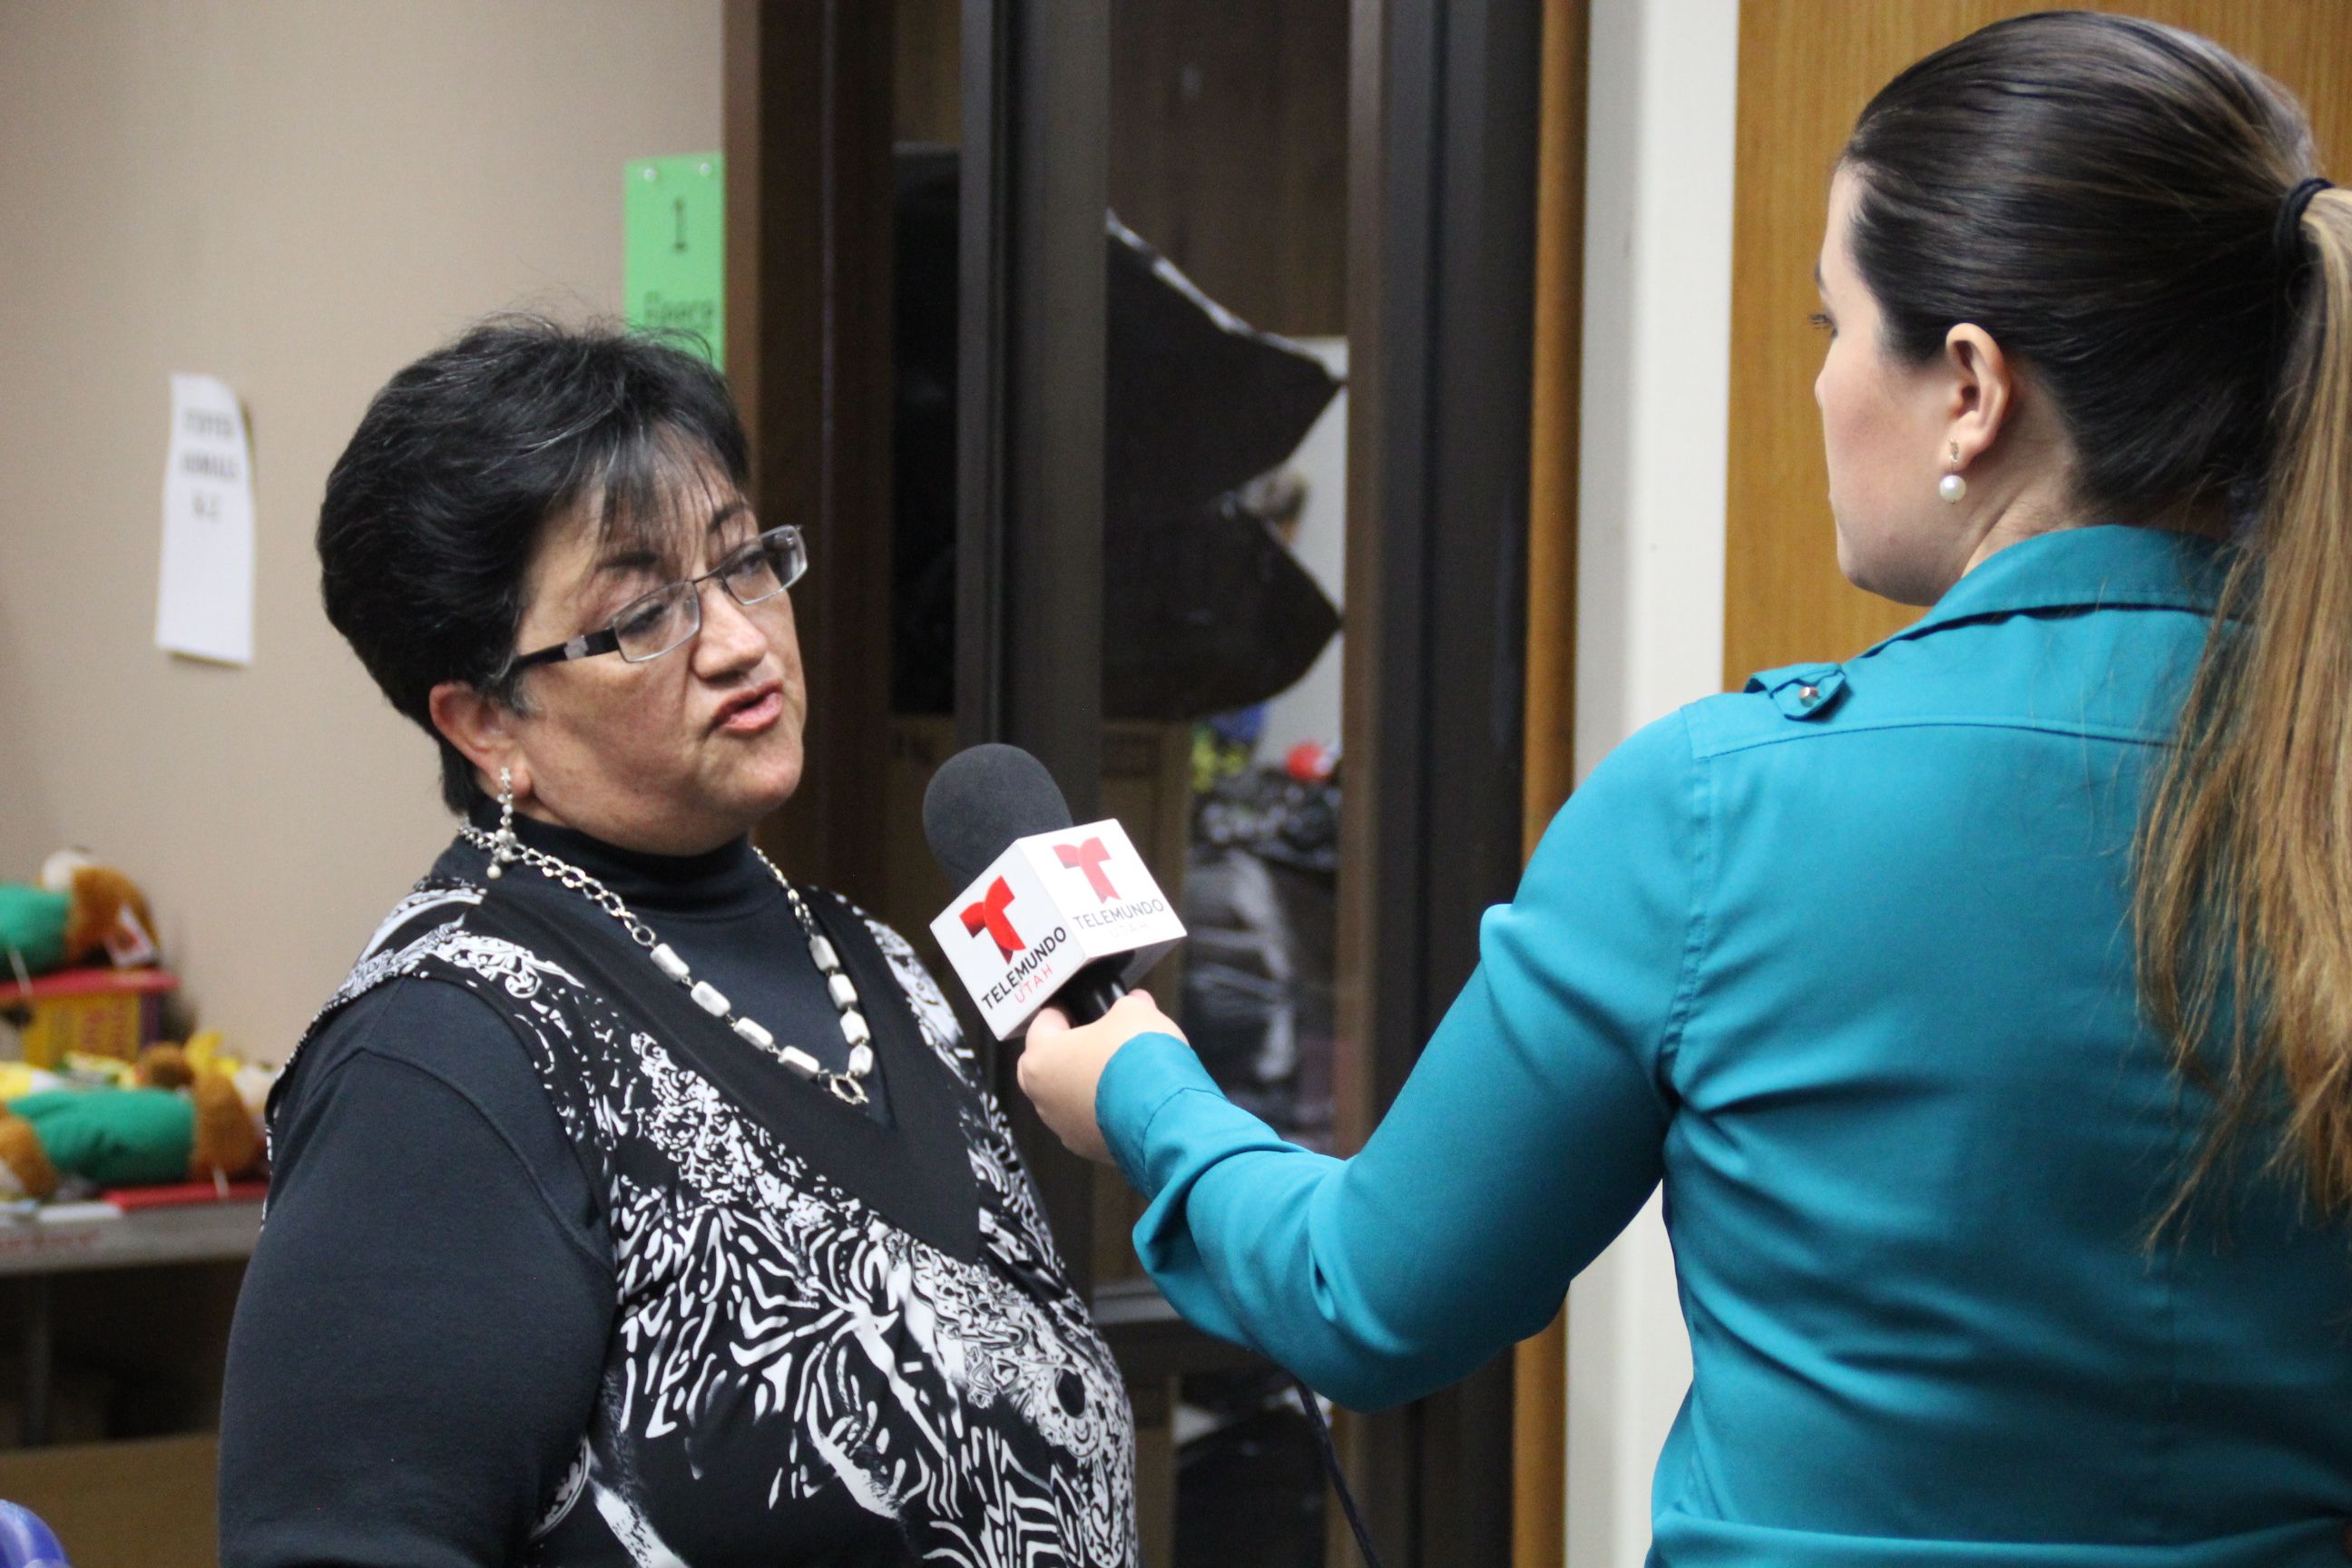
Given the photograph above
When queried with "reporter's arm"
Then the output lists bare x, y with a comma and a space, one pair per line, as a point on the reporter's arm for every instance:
1529, 1132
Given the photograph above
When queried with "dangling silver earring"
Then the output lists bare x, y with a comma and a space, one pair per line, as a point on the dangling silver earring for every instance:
1951, 486
502, 844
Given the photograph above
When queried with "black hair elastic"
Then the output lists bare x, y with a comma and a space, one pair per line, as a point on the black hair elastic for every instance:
2286, 237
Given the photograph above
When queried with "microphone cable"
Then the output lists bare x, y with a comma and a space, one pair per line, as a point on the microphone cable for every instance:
1314, 1407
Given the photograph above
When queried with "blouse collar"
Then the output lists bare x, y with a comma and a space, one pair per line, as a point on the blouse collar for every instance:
2103, 567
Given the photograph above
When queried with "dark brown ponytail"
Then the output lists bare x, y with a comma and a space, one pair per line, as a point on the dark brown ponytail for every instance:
2104, 196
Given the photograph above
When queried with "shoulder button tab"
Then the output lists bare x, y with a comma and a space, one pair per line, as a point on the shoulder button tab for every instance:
1801, 691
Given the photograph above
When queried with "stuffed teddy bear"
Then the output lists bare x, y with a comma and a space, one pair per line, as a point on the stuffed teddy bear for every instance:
180, 1120
79, 910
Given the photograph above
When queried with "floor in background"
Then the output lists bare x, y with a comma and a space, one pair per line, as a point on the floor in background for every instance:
1251, 1492
144, 1504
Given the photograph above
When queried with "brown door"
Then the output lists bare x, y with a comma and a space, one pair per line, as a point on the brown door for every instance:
1806, 69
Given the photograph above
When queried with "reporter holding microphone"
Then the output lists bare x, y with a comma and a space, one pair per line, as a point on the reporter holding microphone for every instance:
1984, 1003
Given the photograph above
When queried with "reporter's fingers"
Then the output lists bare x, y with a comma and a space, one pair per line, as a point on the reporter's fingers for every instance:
1029, 1071
1138, 1013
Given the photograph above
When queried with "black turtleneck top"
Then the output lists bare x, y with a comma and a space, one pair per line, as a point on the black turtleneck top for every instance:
422, 1163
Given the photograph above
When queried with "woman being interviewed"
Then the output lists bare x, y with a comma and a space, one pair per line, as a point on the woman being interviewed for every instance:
633, 1204
1988, 1253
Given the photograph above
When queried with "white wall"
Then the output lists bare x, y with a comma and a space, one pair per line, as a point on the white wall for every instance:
299, 197
1656, 412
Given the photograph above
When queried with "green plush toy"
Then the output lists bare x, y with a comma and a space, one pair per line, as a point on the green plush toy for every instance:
79, 912
32, 923
185, 1120
114, 1137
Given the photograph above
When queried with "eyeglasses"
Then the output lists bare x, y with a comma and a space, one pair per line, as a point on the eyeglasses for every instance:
668, 618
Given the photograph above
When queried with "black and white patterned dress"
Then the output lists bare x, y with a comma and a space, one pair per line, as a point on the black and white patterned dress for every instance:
835, 1337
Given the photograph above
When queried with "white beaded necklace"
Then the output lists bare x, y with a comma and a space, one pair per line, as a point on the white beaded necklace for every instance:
848, 1087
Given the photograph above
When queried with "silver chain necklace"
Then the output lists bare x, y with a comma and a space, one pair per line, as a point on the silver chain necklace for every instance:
848, 1086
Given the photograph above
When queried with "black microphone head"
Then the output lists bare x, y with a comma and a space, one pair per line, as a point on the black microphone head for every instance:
982, 800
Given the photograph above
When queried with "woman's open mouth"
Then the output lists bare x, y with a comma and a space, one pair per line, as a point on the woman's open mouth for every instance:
753, 710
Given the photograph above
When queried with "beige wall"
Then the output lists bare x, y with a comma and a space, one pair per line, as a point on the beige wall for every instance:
299, 197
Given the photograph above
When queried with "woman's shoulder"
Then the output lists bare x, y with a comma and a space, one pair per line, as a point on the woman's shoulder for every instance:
394, 1005
445, 1031
1791, 702
1774, 705
417, 1070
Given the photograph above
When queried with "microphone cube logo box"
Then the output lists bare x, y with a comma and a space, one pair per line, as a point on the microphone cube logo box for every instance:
1050, 905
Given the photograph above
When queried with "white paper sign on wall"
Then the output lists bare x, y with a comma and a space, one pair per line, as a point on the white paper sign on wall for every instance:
204, 603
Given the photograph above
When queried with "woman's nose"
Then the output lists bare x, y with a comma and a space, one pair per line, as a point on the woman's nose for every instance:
730, 638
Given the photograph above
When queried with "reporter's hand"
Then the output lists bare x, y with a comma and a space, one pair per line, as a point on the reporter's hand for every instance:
1060, 1066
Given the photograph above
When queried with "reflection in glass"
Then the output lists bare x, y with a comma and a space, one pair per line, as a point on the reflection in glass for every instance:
1228, 158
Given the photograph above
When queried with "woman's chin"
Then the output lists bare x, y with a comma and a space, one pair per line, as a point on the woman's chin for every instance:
728, 806
1855, 565
1884, 571
773, 783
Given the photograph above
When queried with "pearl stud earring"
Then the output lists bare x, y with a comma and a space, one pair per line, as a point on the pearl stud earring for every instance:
1951, 486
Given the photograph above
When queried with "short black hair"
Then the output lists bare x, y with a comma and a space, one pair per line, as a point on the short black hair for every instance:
434, 510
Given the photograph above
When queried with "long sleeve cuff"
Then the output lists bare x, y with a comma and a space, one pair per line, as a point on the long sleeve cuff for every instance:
1140, 1079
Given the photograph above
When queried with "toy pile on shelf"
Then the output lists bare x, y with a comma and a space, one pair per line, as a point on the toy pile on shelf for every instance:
94, 1102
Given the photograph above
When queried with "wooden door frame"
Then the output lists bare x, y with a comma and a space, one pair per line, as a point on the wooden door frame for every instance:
1539, 1392
805, 106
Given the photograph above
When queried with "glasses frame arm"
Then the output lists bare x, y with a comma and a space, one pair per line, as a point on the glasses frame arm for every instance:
587, 645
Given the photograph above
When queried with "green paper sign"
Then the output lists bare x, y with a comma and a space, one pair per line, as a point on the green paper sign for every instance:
674, 228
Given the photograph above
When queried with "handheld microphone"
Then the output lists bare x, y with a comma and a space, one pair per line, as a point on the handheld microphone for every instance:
1053, 914
1049, 912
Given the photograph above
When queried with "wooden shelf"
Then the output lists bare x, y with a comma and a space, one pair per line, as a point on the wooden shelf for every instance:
73, 1237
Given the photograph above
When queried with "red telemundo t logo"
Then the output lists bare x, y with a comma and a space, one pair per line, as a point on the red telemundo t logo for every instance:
1089, 857
989, 914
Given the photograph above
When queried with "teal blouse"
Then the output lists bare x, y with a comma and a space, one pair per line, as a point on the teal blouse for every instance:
1844, 961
